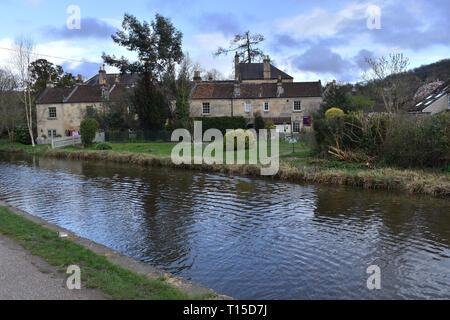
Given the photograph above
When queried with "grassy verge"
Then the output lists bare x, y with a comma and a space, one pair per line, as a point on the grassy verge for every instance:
298, 166
97, 272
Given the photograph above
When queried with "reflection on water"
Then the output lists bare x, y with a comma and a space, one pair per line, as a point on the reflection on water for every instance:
247, 238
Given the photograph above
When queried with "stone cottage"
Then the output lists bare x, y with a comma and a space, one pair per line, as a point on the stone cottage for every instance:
60, 111
258, 88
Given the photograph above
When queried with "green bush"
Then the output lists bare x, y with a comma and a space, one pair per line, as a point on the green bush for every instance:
240, 134
223, 123
88, 129
103, 146
259, 123
22, 135
413, 141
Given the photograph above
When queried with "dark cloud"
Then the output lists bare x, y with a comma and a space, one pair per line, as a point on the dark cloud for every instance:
321, 59
360, 59
225, 23
89, 28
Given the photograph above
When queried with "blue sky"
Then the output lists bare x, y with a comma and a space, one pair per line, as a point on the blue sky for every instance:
311, 40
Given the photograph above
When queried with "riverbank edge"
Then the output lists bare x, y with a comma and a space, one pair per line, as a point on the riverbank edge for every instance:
121, 260
408, 181
388, 179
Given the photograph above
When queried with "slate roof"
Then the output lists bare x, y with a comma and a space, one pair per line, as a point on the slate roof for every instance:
433, 97
224, 90
128, 79
255, 71
90, 91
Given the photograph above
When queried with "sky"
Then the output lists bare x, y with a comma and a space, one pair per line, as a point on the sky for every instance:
310, 40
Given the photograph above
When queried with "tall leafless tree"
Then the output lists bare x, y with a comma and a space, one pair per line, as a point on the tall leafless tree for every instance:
10, 111
385, 74
246, 47
22, 58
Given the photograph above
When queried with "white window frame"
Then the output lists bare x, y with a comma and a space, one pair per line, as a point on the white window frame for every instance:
300, 102
248, 107
208, 105
267, 103
52, 133
50, 113
294, 126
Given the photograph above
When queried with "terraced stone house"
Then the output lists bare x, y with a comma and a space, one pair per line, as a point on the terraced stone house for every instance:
59, 111
258, 88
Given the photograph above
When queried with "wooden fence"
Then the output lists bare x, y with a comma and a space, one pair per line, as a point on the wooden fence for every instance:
65, 142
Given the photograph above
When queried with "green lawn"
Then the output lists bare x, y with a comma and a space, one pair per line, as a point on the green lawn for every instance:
4, 145
97, 272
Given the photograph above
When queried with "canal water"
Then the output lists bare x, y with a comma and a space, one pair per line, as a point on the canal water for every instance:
246, 238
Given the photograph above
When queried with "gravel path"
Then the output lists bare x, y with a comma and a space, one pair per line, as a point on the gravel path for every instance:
26, 277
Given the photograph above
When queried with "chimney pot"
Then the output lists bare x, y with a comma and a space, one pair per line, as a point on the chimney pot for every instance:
197, 77
267, 74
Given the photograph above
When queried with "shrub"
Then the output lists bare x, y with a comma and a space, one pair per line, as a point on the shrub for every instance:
103, 146
259, 123
44, 136
240, 134
22, 135
413, 141
223, 123
334, 112
88, 129
269, 125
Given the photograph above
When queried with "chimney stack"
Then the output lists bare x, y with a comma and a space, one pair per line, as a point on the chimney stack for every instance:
267, 75
50, 83
237, 87
236, 66
102, 76
280, 89
79, 79
117, 79
197, 77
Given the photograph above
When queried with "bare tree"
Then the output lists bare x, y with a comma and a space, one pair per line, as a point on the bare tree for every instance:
22, 58
214, 75
246, 47
386, 74
10, 111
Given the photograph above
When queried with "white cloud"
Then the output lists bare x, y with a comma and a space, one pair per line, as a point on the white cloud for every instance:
321, 22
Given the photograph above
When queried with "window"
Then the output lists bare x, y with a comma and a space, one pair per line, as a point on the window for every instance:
51, 133
266, 106
296, 127
248, 107
297, 105
206, 108
52, 112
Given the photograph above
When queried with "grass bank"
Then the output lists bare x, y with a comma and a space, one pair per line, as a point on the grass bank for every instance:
97, 272
292, 169
297, 166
